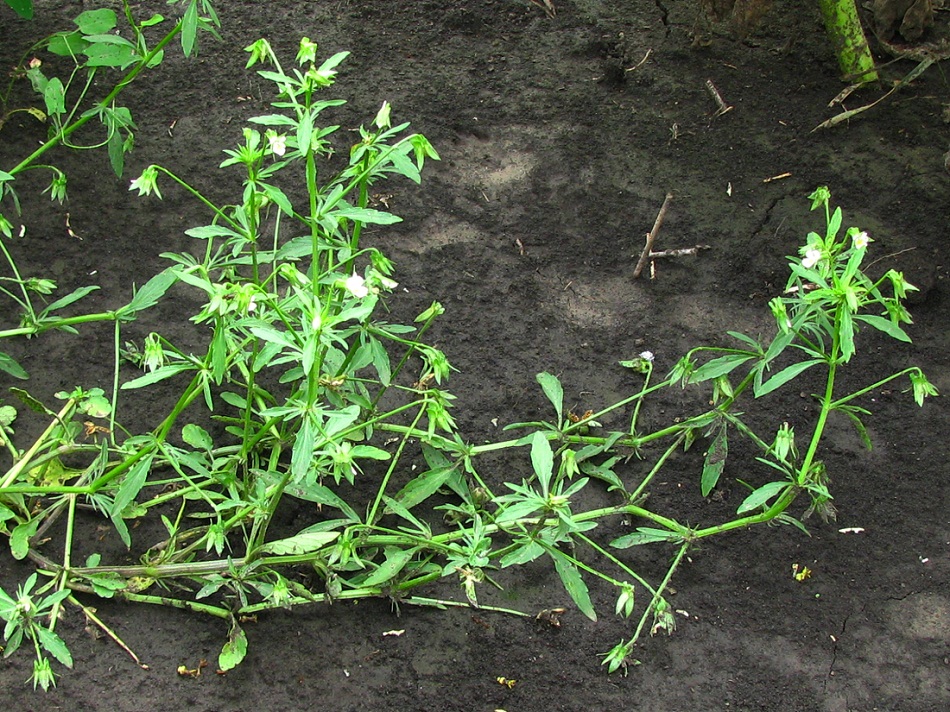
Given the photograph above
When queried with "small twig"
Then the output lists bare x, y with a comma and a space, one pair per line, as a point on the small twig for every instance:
724, 108
91, 616
847, 115
886, 257
545, 5
640, 63
681, 252
645, 255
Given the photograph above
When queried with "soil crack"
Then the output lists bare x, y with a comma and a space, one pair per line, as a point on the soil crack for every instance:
834, 652
664, 14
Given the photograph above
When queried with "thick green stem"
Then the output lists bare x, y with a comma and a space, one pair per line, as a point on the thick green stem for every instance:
851, 46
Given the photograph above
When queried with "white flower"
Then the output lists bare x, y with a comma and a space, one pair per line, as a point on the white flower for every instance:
647, 356
251, 305
387, 283
812, 257
278, 144
356, 286
860, 241
317, 322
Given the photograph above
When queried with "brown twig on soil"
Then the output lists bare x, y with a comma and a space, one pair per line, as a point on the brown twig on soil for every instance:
645, 255
545, 5
889, 256
681, 252
847, 115
91, 617
724, 108
639, 64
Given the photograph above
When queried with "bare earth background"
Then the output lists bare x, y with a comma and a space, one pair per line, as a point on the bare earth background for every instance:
555, 161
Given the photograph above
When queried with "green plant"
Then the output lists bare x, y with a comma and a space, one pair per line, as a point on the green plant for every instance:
23, 8
306, 393
93, 48
22, 616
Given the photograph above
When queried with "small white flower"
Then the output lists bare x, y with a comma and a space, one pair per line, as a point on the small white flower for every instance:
647, 356
860, 241
356, 286
252, 305
278, 144
812, 257
317, 322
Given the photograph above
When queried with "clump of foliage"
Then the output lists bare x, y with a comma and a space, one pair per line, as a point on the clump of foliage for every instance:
304, 389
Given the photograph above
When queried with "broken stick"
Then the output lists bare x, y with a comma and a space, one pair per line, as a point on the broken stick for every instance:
681, 252
645, 255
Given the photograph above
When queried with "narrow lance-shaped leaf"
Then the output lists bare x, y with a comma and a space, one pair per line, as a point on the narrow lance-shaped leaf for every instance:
715, 460
762, 495
396, 560
153, 290
554, 391
189, 31
573, 583
645, 535
9, 366
300, 543
542, 460
784, 376
73, 296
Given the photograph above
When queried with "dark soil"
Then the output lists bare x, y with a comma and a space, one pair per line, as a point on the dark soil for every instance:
559, 138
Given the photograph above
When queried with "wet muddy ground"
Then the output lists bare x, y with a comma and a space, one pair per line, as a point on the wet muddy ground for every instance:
559, 138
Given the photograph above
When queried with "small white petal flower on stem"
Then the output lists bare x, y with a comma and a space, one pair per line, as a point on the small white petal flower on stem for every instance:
812, 257
278, 144
647, 356
356, 286
317, 322
860, 241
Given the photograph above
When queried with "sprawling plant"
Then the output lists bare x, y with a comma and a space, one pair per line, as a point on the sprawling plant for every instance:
305, 392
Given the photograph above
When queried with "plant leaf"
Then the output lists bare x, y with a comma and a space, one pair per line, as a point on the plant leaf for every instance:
96, 22
23, 8
20, 538
197, 437
54, 645
396, 560
715, 460
300, 543
573, 583
151, 292
760, 496
554, 391
234, 650
159, 374
73, 296
645, 535
9, 366
784, 376
718, 367
885, 325
189, 31
542, 460
366, 215
422, 487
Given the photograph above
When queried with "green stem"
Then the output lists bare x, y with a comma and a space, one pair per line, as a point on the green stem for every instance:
14, 472
61, 136
371, 517
658, 593
851, 46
